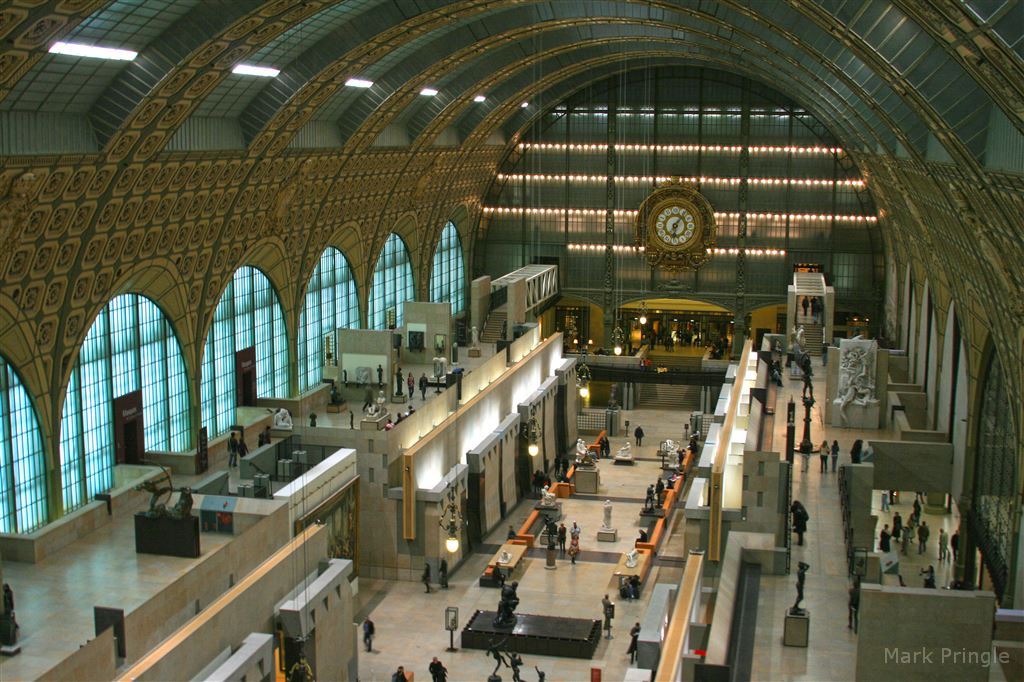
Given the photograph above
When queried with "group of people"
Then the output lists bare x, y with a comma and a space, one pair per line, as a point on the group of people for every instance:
438, 673
903, 534
815, 306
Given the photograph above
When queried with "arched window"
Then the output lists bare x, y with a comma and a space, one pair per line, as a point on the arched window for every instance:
448, 276
22, 466
130, 349
247, 316
331, 302
392, 285
995, 478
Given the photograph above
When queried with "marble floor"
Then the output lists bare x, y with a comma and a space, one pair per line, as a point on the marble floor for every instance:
410, 623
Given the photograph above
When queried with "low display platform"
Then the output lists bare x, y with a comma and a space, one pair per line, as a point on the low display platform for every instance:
170, 537
540, 635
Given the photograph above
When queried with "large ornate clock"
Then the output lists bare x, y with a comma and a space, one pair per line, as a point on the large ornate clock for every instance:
676, 227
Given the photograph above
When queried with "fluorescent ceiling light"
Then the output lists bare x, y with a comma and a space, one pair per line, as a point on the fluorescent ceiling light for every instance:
358, 83
524, 105
94, 51
479, 98
428, 92
250, 70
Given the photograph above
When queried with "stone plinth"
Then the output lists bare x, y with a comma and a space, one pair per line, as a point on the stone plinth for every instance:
797, 629
373, 423
857, 416
474, 352
587, 480
607, 535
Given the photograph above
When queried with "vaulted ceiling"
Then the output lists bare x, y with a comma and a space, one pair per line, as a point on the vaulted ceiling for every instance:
912, 78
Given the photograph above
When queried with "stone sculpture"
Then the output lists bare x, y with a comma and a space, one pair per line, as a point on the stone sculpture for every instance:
474, 337
283, 419
631, 558
160, 487
547, 498
796, 340
505, 557
506, 607
607, 514
649, 498
856, 375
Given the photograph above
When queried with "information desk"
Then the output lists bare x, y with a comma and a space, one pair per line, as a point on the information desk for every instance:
643, 561
518, 553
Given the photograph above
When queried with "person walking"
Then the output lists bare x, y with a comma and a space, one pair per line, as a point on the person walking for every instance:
634, 637
561, 538
638, 433
943, 545
883, 539
574, 549
835, 450
243, 450
897, 526
823, 456
425, 579
410, 382
575, 531
835, 458
608, 609
908, 535
423, 386
438, 673
885, 500
368, 631
922, 537
853, 605
954, 543
233, 450
399, 675
800, 518
805, 303
442, 574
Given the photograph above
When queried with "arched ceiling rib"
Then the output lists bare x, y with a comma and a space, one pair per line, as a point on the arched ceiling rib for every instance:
935, 83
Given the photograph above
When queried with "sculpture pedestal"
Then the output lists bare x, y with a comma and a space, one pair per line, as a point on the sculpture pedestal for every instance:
170, 537
587, 480
474, 352
549, 560
607, 535
373, 423
554, 511
797, 629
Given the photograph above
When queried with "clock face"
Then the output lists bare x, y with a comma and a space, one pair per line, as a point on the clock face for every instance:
675, 225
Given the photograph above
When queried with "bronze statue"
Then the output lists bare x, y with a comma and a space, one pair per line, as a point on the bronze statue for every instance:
801, 575
805, 368
507, 606
158, 488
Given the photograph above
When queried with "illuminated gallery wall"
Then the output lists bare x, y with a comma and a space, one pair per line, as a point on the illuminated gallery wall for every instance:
803, 199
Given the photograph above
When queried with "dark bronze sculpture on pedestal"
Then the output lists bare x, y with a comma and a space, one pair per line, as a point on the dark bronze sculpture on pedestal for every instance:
800, 577
506, 607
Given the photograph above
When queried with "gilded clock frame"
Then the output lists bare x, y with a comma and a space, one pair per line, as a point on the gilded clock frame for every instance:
690, 255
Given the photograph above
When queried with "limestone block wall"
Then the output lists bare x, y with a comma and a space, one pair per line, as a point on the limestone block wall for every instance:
920, 635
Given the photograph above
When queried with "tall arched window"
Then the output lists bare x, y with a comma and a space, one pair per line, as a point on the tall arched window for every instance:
248, 315
995, 479
131, 347
331, 302
448, 276
392, 285
22, 466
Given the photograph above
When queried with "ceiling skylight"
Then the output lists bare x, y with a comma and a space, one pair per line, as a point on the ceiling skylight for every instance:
252, 70
92, 51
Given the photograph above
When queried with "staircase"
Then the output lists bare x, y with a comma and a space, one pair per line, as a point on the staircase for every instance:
666, 396
493, 325
812, 335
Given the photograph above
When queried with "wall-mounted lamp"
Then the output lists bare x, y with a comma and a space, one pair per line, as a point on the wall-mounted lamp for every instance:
451, 521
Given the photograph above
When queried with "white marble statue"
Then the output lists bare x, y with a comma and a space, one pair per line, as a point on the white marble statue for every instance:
283, 419
547, 498
378, 409
581, 449
631, 558
474, 337
505, 557
625, 452
440, 366
607, 514
798, 341
856, 375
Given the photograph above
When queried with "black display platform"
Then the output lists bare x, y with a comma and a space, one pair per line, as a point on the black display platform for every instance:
170, 537
540, 635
